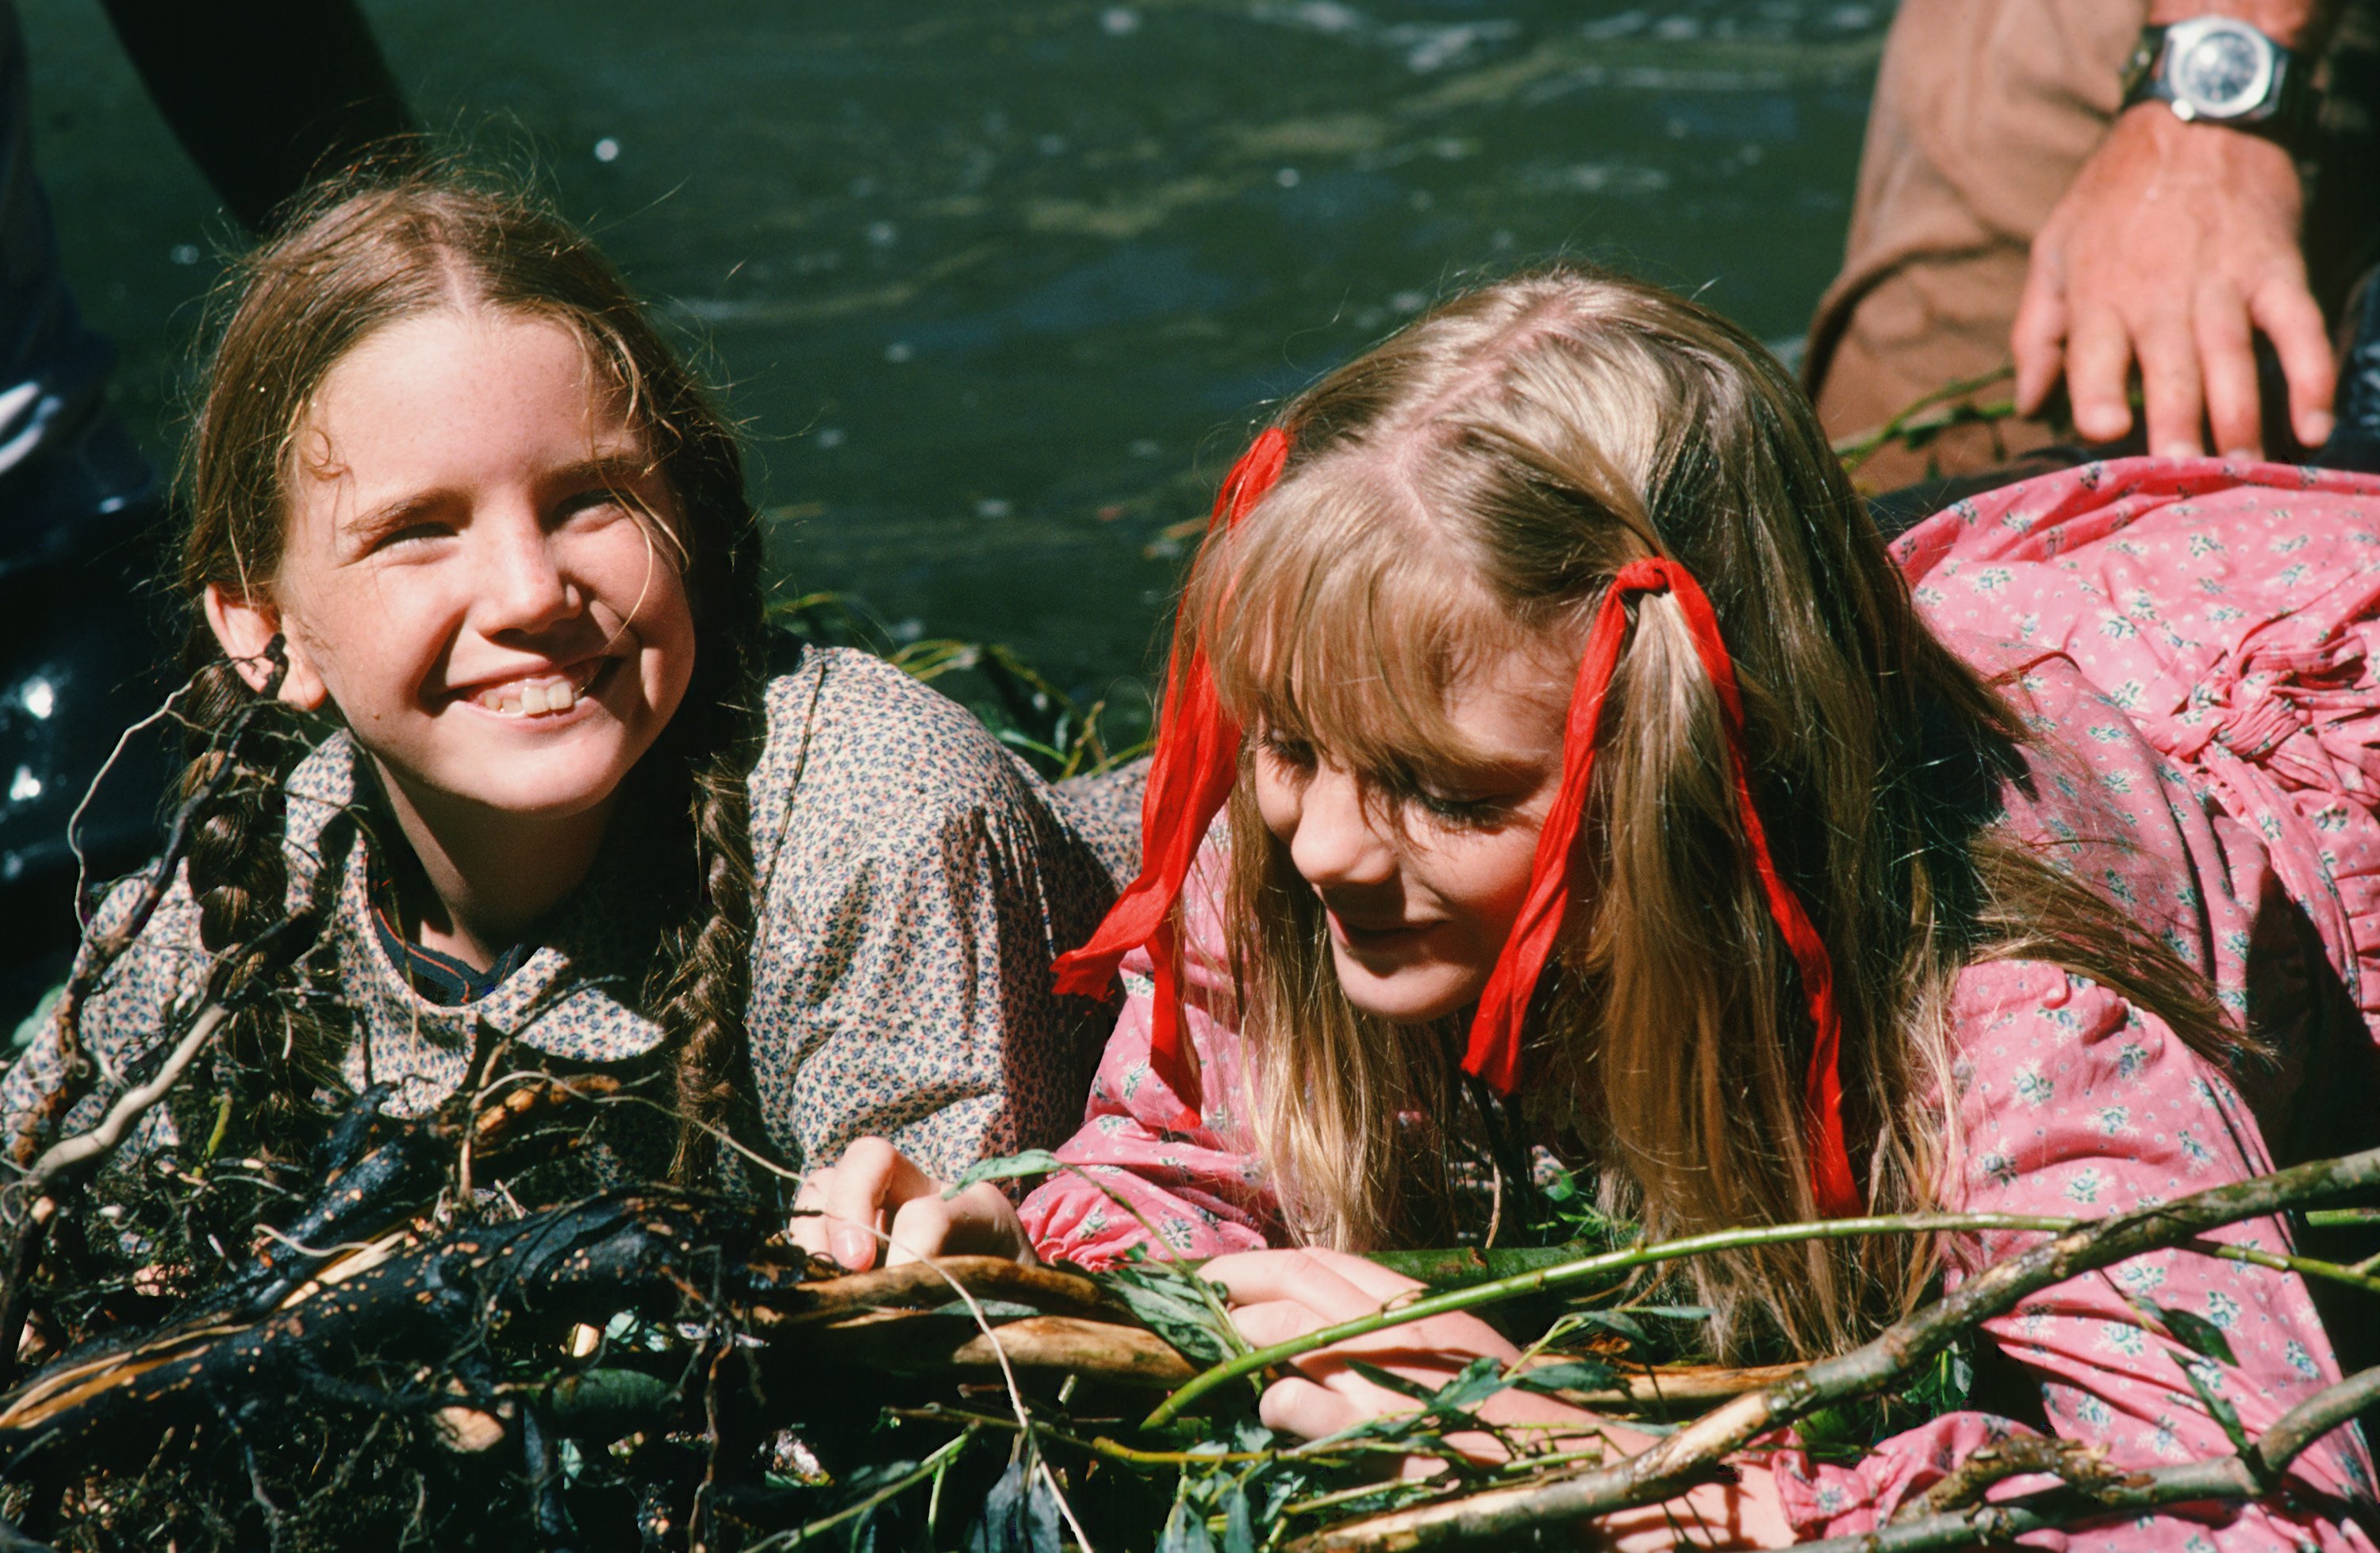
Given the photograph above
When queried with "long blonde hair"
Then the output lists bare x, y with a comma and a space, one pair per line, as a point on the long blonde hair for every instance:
1468, 489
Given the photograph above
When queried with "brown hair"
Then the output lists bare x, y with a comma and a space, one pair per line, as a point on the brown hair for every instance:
1468, 489
364, 252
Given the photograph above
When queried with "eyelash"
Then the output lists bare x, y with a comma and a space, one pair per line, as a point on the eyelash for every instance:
1455, 813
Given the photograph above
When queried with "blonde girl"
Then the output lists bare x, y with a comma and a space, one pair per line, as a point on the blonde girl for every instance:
470, 562
1594, 781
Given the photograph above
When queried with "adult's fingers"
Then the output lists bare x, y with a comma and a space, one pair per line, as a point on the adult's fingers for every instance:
2037, 341
2098, 368
2292, 321
2172, 396
2226, 357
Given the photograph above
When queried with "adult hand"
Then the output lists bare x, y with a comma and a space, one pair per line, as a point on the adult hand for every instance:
1276, 1295
2175, 245
876, 1191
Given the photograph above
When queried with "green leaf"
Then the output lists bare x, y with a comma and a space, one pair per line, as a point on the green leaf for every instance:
1624, 1323
2222, 1412
2192, 1330
1239, 1525
1480, 1379
1389, 1380
1185, 1531
1007, 1166
1569, 1375
1173, 1304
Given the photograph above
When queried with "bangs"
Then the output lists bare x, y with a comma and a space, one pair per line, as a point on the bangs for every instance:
1340, 614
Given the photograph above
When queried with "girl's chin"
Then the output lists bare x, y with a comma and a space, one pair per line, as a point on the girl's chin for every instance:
1414, 995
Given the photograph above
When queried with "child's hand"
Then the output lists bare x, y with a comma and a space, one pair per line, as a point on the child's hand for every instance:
1276, 1295
874, 1192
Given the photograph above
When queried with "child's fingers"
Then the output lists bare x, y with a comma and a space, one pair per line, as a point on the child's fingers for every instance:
1273, 1321
921, 1227
853, 1198
1297, 1406
1307, 1276
1365, 1274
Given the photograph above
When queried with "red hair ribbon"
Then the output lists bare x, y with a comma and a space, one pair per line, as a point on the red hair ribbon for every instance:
1495, 1050
1196, 760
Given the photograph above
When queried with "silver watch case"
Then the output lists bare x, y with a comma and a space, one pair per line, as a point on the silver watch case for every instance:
2219, 69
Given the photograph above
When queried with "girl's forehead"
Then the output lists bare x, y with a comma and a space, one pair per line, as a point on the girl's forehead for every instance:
430, 389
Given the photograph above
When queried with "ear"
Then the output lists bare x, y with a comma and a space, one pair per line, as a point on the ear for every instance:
246, 625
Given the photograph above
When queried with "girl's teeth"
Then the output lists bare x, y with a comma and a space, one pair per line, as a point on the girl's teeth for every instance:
533, 698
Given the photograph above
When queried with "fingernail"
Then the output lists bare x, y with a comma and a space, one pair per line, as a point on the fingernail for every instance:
2242, 455
2315, 426
2179, 450
850, 1248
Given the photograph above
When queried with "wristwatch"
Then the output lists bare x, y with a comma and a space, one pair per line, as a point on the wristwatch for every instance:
2217, 69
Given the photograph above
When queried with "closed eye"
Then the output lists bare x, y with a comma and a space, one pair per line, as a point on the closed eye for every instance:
407, 534
1295, 753
595, 502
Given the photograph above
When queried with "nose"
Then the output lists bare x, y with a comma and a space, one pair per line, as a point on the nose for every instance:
523, 586
1338, 841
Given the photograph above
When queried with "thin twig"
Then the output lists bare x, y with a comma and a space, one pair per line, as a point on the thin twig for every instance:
83, 1148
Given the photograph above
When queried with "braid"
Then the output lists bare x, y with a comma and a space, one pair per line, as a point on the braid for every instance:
704, 1010
275, 1049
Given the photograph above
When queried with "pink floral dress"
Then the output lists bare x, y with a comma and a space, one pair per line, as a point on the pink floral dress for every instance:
2192, 644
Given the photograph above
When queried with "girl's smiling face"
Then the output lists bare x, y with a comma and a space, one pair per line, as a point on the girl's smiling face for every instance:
1422, 881
478, 571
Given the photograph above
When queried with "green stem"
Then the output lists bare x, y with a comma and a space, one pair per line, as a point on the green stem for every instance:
2342, 1219
2358, 1277
943, 1456
1568, 1273
1856, 449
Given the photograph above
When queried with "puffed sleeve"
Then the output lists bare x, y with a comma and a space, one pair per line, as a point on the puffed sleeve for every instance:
1135, 1181
2072, 1101
914, 883
128, 1012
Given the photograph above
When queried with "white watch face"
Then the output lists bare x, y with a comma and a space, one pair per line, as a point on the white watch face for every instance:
2221, 73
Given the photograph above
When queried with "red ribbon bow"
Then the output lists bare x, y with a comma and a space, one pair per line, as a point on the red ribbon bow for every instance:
1495, 1050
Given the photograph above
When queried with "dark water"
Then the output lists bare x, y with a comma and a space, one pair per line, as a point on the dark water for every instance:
998, 288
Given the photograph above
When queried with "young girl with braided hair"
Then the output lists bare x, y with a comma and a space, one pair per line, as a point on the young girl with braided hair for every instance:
470, 562
1596, 789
